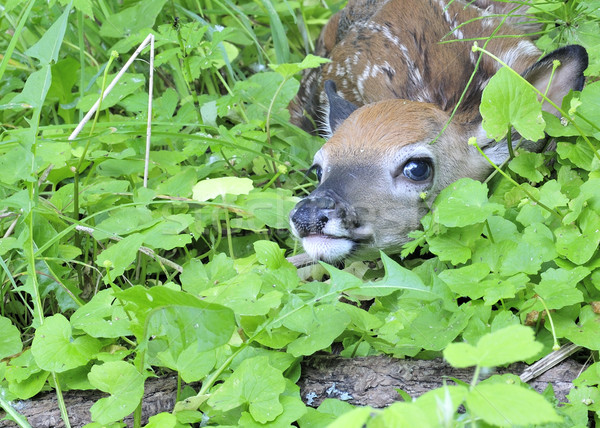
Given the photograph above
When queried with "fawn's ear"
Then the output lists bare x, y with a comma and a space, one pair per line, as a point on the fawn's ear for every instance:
568, 76
339, 108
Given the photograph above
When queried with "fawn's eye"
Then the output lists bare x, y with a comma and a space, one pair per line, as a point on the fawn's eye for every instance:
417, 169
317, 170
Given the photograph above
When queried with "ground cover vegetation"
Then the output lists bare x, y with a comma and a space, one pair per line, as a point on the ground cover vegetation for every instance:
211, 296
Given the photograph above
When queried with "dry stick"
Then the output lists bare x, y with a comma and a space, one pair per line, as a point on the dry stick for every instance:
88, 116
149, 126
145, 250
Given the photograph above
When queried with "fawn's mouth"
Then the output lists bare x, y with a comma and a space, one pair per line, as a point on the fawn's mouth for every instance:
327, 248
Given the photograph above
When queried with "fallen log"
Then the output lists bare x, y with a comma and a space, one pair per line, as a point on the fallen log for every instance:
360, 381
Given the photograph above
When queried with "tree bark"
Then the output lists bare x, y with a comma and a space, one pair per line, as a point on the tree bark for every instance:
360, 381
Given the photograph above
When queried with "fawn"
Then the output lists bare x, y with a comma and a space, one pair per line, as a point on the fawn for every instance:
386, 95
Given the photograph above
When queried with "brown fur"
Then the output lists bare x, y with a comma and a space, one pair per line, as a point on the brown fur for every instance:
379, 170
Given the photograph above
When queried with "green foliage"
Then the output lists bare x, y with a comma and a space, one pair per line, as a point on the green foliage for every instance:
106, 282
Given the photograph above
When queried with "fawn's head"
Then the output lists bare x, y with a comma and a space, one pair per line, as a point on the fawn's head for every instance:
379, 172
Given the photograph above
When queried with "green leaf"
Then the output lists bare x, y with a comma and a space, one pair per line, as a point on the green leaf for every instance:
504, 346
210, 324
55, 349
293, 409
402, 415
213, 187
35, 90
579, 244
25, 378
509, 100
132, 19
586, 332
529, 165
509, 405
167, 234
119, 256
320, 327
464, 203
558, 286
10, 340
47, 47
124, 384
270, 255
288, 70
254, 383
280, 40
356, 418
465, 280
127, 85
102, 317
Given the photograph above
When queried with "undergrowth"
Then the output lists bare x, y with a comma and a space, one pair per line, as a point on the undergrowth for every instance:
105, 282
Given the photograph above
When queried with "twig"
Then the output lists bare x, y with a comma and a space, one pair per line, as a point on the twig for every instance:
144, 250
109, 88
301, 260
12, 226
149, 126
549, 361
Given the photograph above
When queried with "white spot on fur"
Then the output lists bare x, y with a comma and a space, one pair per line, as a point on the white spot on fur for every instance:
524, 48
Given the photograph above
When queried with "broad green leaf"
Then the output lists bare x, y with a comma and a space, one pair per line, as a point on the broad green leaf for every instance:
271, 207
464, 203
10, 340
586, 332
119, 256
589, 108
125, 385
508, 100
509, 405
255, 384
132, 19
25, 379
47, 47
182, 325
446, 400
124, 221
15, 165
241, 294
213, 187
433, 329
465, 280
35, 90
320, 327
402, 415
210, 324
162, 420
293, 409
529, 165
167, 234
197, 277
397, 278
448, 248
288, 70
579, 244
558, 287
269, 254
102, 317
55, 349
356, 418
579, 153
127, 85
504, 346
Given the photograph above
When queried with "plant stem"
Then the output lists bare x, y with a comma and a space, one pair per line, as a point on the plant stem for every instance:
509, 178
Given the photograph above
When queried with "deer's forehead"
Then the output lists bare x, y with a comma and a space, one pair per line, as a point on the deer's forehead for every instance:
386, 127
